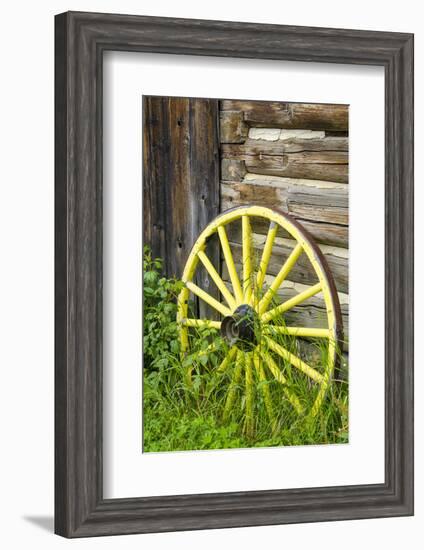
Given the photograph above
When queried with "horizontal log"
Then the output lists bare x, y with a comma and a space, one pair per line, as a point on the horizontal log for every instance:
329, 214
302, 272
309, 202
255, 147
322, 233
275, 114
326, 233
276, 159
321, 209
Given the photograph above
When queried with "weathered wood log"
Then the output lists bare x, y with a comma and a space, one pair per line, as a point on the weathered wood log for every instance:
317, 202
323, 233
233, 129
275, 160
275, 114
302, 272
330, 214
255, 147
327, 233
316, 207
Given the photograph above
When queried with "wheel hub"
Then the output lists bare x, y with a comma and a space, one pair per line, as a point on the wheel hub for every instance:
240, 328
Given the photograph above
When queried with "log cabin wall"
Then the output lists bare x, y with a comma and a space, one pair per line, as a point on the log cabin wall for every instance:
293, 157
203, 156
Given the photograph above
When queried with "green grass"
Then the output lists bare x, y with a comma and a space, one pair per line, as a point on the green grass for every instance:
183, 413
178, 417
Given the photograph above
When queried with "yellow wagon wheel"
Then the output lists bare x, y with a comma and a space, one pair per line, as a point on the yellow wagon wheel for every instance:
251, 321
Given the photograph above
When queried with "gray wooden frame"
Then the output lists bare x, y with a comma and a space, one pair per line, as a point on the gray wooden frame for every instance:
81, 39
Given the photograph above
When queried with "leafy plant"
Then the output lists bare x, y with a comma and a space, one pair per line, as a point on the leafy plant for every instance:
184, 412
160, 329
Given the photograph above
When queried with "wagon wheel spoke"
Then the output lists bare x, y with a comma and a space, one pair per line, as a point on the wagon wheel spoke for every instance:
217, 279
227, 360
247, 258
280, 277
273, 367
201, 323
209, 349
289, 304
266, 255
279, 376
200, 293
182, 312
249, 394
265, 390
294, 360
332, 350
232, 390
230, 264
301, 332
320, 398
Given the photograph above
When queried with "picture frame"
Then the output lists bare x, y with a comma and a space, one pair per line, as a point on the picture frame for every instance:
80, 41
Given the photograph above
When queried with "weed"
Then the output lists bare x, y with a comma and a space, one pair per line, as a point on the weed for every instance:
199, 402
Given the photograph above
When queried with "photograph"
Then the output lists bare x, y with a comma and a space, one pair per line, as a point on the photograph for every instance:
245, 273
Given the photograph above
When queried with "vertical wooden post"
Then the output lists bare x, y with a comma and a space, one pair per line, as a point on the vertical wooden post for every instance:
180, 178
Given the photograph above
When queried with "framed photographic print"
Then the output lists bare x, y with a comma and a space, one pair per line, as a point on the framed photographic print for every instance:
234, 274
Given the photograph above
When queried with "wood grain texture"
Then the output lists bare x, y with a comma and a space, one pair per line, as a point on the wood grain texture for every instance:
269, 114
80, 509
302, 272
280, 147
180, 175
295, 160
180, 182
318, 159
321, 203
322, 211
